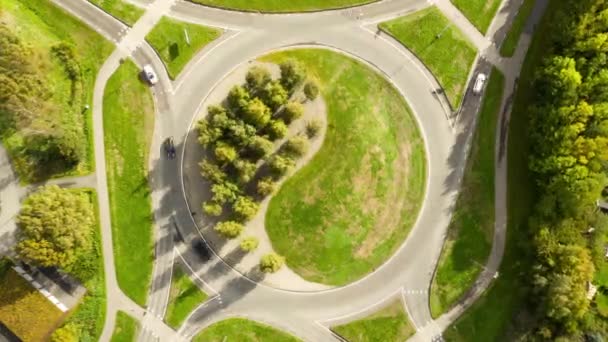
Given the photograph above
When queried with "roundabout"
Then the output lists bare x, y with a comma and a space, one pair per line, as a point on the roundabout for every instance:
412, 159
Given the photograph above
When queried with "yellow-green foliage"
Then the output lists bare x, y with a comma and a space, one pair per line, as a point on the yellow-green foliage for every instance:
26, 312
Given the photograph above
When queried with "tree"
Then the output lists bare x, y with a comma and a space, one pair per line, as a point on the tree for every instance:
56, 226
249, 244
313, 128
212, 172
240, 132
229, 229
212, 209
224, 152
224, 192
260, 147
280, 165
245, 208
272, 262
311, 90
257, 77
292, 111
208, 135
297, 146
245, 169
292, 73
274, 95
67, 333
266, 186
276, 129
256, 113
238, 98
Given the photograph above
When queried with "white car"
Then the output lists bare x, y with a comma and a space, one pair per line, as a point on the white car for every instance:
479, 83
149, 74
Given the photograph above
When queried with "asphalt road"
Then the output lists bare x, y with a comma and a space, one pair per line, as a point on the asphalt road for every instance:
351, 31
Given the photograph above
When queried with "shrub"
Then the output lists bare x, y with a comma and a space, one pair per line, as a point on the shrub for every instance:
57, 227
256, 113
224, 192
311, 90
224, 152
257, 77
292, 111
280, 165
67, 333
313, 128
292, 73
260, 147
229, 229
212, 209
272, 262
212, 172
276, 129
240, 133
238, 98
297, 146
245, 169
245, 208
266, 186
250, 243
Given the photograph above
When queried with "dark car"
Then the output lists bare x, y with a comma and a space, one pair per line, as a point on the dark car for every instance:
170, 148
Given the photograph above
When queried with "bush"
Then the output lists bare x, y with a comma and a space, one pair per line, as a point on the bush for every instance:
224, 152
313, 128
245, 208
292, 111
280, 165
245, 170
250, 244
270, 263
208, 134
57, 227
212, 209
276, 129
212, 172
257, 77
297, 146
67, 333
238, 98
274, 95
224, 192
256, 113
311, 90
292, 74
266, 186
229, 229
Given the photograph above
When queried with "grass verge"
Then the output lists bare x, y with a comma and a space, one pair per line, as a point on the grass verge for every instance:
388, 324
448, 57
184, 297
125, 329
43, 25
479, 12
128, 122
169, 40
277, 6
24, 310
87, 320
242, 330
499, 313
470, 233
331, 219
124, 11
507, 49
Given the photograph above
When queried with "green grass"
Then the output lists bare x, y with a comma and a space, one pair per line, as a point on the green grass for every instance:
128, 124
493, 316
349, 209
124, 11
88, 318
448, 57
479, 12
125, 329
242, 330
184, 297
471, 231
388, 324
168, 39
42, 25
276, 6
507, 49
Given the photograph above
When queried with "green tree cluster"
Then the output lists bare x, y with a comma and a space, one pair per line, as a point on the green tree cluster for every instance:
56, 227
240, 136
569, 135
